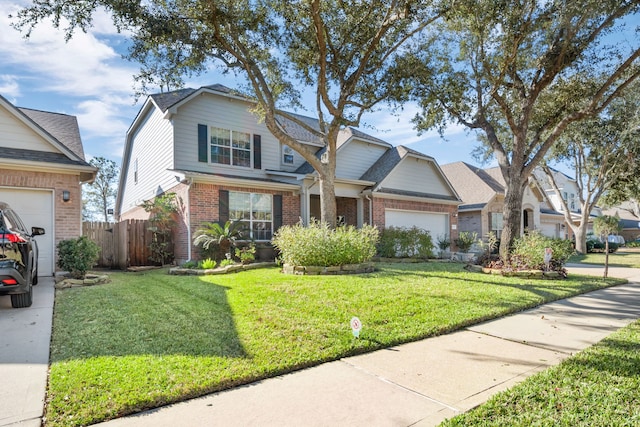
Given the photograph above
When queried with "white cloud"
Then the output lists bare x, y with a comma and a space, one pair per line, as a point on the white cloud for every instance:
84, 66
9, 87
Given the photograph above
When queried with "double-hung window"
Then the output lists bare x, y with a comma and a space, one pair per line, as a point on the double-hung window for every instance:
230, 147
255, 211
497, 223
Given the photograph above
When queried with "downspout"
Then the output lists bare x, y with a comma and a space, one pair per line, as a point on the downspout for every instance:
189, 182
367, 195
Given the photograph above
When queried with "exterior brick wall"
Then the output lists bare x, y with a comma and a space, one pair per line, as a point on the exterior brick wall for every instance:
348, 208
68, 215
203, 202
380, 205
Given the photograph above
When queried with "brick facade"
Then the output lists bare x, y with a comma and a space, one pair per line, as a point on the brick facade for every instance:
68, 215
380, 205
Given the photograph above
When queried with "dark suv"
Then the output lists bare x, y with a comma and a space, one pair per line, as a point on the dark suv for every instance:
18, 258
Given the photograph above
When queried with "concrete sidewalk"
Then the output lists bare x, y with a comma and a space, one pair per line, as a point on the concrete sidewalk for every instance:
25, 335
421, 383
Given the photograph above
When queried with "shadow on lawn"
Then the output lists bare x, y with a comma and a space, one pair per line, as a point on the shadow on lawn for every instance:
171, 319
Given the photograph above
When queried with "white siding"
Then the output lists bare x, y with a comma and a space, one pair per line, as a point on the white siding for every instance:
356, 157
152, 147
413, 174
15, 134
213, 110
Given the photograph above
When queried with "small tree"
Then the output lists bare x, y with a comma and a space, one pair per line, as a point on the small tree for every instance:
101, 193
465, 240
162, 211
605, 225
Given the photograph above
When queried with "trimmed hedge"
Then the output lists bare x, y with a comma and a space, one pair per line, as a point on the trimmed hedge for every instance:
402, 242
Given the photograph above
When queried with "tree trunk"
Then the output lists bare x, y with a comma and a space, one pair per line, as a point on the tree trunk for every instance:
580, 233
512, 213
328, 209
606, 256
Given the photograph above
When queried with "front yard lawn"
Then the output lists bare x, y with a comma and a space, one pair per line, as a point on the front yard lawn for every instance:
148, 339
600, 386
623, 257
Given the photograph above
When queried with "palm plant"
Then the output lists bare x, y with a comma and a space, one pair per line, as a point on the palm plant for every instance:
219, 236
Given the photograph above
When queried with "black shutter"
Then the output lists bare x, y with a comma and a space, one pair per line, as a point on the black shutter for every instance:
202, 143
277, 212
257, 152
223, 207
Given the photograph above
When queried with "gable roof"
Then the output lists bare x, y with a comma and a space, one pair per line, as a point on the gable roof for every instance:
475, 186
391, 159
62, 127
59, 130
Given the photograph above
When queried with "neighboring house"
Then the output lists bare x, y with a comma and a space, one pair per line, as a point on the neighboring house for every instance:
568, 191
206, 146
482, 192
629, 214
42, 167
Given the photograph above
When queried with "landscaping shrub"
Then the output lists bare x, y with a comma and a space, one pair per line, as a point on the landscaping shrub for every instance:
319, 245
528, 252
207, 264
465, 240
77, 256
216, 240
247, 254
404, 242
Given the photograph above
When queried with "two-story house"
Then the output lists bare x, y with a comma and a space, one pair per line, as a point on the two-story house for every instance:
569, 192
207, 147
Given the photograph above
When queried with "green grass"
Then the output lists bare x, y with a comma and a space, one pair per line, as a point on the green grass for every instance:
148, 339
624, 257
600, 386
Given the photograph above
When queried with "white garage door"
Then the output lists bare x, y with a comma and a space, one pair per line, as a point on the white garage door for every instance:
35, 207
436, 223
549, 229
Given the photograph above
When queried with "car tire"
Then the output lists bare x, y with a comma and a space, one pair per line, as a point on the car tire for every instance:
22, 300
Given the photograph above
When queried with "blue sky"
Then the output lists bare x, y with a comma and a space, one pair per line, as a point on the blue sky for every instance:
87, 78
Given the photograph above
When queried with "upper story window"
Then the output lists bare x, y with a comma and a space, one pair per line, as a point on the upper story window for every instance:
229, 147
287, 155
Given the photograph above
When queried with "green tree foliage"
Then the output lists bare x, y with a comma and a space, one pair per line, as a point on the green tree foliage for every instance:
605, 225
604, 152
343, 51
101, 193
518, 73
162, 220
405, 242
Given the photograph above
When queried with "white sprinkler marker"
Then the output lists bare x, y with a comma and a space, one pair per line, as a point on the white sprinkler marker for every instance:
356, 326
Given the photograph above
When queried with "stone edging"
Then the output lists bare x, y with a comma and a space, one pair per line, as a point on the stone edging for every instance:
527, 274
178, 271
89, 280
366, 267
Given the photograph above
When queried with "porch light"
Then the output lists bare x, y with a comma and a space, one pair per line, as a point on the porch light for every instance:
66, 195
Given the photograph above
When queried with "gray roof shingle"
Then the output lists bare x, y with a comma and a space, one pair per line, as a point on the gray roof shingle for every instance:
62, 127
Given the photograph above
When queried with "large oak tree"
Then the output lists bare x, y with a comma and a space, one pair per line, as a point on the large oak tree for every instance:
344, 51
604, 151
498, 66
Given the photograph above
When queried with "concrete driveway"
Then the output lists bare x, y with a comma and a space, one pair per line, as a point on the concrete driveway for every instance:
25, 334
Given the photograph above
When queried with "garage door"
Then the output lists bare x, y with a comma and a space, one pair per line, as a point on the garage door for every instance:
436, 223
35, 207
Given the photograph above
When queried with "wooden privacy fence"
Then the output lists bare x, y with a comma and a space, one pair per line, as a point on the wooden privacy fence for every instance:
123, 244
